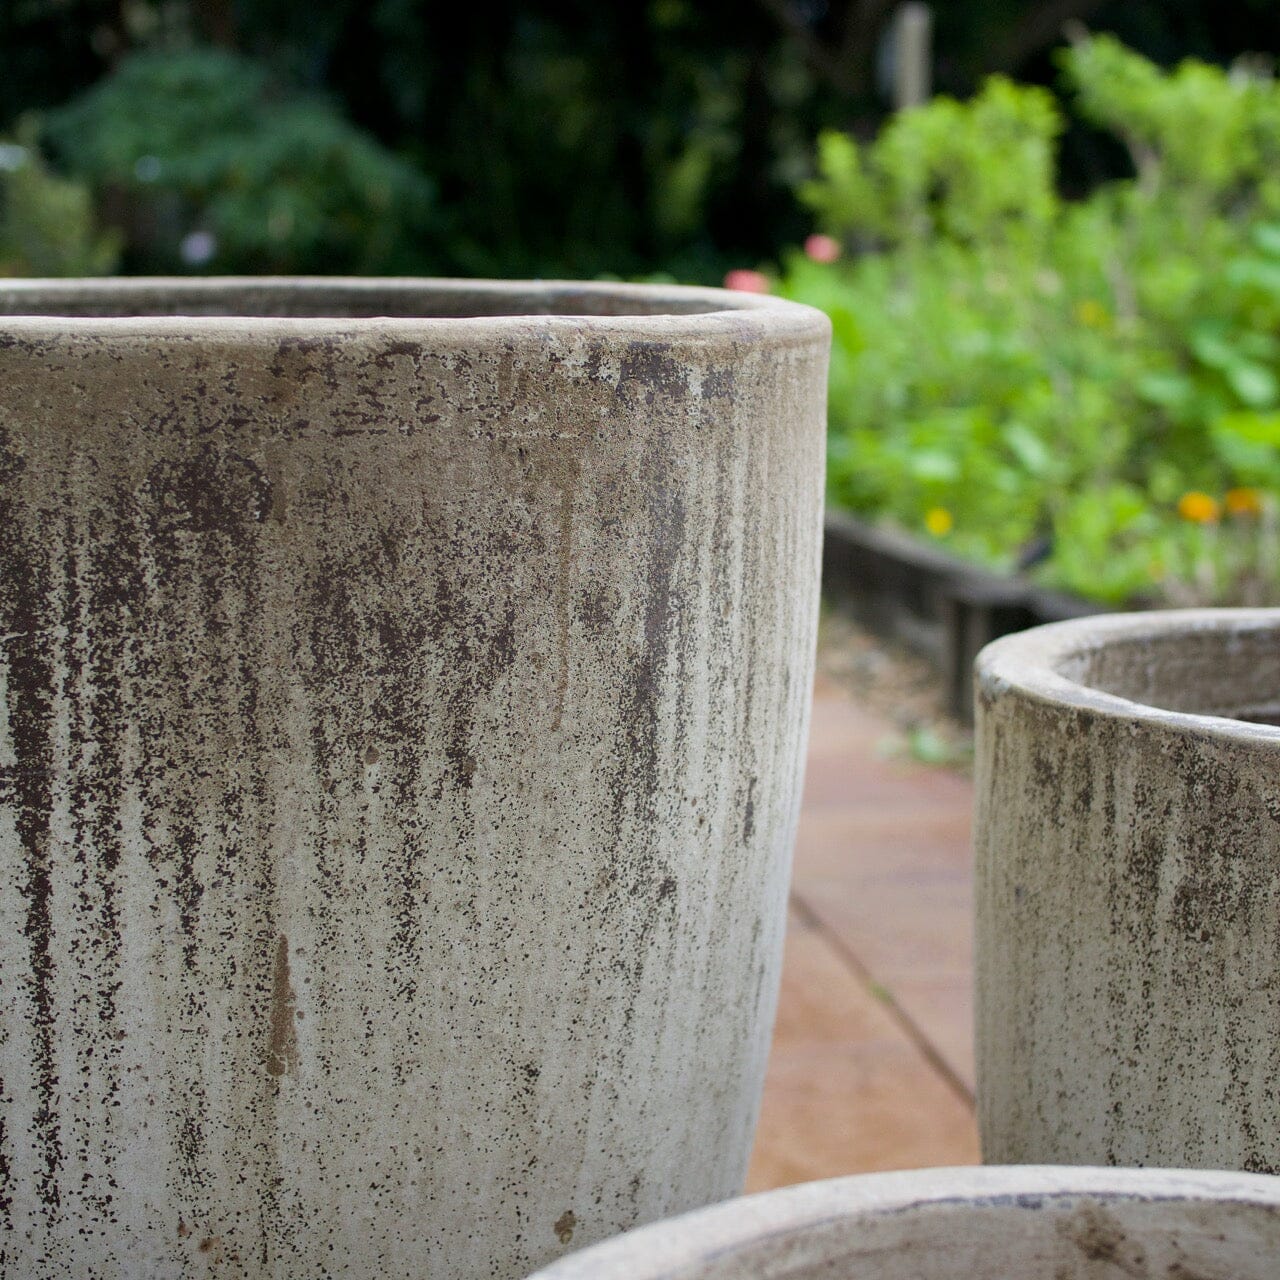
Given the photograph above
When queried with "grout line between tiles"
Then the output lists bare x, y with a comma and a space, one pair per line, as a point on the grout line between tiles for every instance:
810, 919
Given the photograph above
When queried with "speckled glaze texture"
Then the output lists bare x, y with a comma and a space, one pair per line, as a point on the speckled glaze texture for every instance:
1024, 1223
1128, 892
401, 723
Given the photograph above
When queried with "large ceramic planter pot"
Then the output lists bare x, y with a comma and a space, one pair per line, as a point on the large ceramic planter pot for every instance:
1128, 892
404, 691
965, 1224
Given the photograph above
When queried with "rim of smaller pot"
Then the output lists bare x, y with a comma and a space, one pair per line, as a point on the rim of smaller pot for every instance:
1049, 665
320, 304
680, 1247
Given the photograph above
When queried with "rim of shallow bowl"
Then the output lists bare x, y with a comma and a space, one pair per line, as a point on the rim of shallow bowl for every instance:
1045, 665
676, 312
671, 1247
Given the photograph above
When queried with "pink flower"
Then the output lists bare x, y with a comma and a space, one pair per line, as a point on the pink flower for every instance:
745, 281
820, 248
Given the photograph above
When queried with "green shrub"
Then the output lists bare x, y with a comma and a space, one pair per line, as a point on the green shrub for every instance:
200, 144
1012, 371
47, 223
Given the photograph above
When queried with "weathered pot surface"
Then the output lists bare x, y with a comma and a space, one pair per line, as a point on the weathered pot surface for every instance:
1128, 891
1028, 1222
403, 689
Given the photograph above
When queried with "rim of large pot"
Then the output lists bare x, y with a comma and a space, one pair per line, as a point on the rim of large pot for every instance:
1051, 665
247, 305
675, 1247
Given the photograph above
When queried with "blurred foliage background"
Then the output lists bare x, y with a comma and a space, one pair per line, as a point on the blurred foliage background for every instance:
509, 138
1088, 389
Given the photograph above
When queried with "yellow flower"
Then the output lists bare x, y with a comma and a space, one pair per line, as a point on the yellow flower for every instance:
1092, 313
938, 521
1198, 507
1243, 502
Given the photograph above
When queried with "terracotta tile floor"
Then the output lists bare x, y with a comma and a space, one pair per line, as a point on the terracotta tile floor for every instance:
872, 1061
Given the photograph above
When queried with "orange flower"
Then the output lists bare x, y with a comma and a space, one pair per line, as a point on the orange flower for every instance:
1198, 507
1243, 502
939, 521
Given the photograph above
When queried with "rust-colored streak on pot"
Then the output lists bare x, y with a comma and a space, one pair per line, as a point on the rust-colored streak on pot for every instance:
565, 1224
282, 1050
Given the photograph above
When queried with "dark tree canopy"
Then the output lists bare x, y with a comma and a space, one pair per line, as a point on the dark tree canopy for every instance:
576, 138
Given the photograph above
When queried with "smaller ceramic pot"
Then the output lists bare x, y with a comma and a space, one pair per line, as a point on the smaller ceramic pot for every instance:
1035, 1223
1127, 892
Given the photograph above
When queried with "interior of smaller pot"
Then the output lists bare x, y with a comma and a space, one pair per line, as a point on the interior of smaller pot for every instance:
1028, 1237
1225, 670
353, 299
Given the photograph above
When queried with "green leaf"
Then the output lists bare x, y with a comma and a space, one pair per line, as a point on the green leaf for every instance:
1255, 273
1266, 235
1257, 428
1028, 448
933, 464
929, 747
1170, 390
1253, 383
1211, 347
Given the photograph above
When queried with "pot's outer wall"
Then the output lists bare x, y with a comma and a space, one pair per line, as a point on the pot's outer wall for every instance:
1128, 903
401, 761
